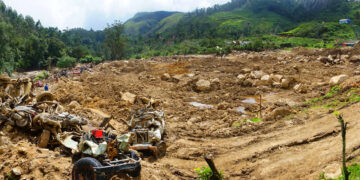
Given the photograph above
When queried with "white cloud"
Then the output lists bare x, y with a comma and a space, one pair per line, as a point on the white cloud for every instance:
97, 14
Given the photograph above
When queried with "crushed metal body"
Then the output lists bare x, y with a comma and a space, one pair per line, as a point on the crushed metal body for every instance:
19, 107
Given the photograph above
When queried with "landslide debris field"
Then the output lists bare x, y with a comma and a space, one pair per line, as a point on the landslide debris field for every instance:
212, 105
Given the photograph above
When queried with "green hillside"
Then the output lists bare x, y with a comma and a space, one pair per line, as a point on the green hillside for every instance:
144, 22
299, 23
240, 18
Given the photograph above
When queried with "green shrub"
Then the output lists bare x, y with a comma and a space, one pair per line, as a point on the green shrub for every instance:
65, 62
97, 60
205, 173
42, 75
87, 59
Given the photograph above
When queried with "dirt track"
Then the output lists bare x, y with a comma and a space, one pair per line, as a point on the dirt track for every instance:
298, 146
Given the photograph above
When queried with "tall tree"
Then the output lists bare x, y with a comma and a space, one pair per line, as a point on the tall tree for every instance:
115, 40
6, 52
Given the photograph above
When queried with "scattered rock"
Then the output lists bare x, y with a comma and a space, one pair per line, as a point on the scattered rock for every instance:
279, 113
300, 88
223, 106
128, 97
285, 83
4, 140
215, 83
3, 149
246, 70
260, 83
338, 79
22, 151
74, 105
177, 78
203, 85
193, 120
248, 82
355, 59
344, 57
324, 59
265, 78
165, 77
16, 171
256, 74
241, 77
276, 78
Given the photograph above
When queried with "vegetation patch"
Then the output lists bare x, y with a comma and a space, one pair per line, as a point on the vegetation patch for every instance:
205, 173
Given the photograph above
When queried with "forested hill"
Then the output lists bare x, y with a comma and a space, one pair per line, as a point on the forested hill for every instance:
240, 18
27, 45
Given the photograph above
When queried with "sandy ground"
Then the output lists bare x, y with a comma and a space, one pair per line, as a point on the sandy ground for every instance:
284, 146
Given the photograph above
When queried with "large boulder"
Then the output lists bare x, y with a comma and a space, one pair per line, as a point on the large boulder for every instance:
355, 59
248, 82
74, 105
241, 77
215, 84
276, 78
203, 85
278, 113
338, 79
260, 83
128, 97
285, 83
300, 88
256, 74
265, 78
165, 77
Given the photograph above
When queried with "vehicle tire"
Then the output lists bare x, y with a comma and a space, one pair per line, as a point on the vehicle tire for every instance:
44, 138
161, 146
84, 169
137, 171
45, 96
75, 157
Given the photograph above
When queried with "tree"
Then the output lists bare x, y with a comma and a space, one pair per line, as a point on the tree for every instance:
79, 52
6, 53
115, 40
34, 53
55, 47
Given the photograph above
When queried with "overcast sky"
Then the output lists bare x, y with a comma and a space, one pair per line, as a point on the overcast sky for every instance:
97, 14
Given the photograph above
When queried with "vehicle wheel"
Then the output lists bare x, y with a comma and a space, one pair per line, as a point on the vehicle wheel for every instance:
137, 171
161, 146
84, 169
75, 157
45, 96
44, 139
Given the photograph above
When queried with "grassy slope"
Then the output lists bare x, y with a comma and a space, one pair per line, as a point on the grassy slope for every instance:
167, 23
262, 21
325, 25
143, 23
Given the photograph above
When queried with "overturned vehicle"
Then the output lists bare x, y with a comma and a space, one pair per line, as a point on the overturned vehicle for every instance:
101, 155
147, 131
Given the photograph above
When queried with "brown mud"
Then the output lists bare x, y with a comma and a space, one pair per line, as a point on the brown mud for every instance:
280, 146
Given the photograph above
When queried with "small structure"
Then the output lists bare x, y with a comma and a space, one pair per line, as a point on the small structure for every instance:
344, 21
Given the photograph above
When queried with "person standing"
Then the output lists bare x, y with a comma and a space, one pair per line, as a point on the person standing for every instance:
46, 87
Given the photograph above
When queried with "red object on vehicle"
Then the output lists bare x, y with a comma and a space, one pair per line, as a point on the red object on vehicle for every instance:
97, 133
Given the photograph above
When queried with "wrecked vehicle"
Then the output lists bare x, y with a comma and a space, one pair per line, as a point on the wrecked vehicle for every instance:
102, 155
147, 131
56, 124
